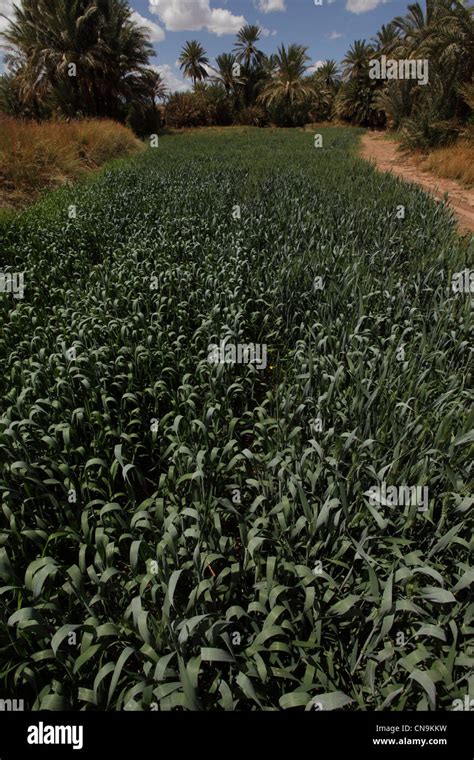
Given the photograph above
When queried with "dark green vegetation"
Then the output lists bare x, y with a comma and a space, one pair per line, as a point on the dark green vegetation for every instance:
244, 85
180, 595
79, 58
284, 90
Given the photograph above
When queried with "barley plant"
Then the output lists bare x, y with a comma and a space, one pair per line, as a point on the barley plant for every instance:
182, 534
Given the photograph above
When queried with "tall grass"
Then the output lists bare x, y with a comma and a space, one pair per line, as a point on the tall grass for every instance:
455, 162
35, 156
207, 547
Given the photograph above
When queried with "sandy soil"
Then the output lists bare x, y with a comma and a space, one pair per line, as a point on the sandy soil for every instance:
386, 156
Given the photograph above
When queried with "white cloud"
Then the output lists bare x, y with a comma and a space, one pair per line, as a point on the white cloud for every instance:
181, 15
266, 32
268, 6
224, 22
156, 32
314, 67
192, 15
361, 6
335, 35
173, 81
6, 8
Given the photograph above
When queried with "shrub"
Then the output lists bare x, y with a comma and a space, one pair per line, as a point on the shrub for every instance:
217, 105
431, 123
35, 155
356, 102
253, 116
101, 141
145, 121
395, 100
422, 133
186, 109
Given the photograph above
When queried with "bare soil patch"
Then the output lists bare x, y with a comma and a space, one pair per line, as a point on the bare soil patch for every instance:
387, 157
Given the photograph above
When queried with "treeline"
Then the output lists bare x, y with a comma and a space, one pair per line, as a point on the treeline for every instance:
80, 59
110, 57
249, 87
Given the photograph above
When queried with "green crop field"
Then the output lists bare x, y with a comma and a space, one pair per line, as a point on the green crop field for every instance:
183, 533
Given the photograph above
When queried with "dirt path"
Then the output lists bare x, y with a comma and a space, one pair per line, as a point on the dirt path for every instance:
375, 147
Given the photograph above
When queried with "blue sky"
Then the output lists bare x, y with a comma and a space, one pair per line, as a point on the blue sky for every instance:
326, 29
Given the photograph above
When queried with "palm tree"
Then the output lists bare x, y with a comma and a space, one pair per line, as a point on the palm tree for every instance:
357, 59
253, 61
270, 65
289, 87
386, 39
443, 32
226, 73
246, 48
356, 101
326, 81
467, 93
450, 41
396, 100
43, 41
86, 56
327, 74
126, 52
415, 25
193, 61
154, 86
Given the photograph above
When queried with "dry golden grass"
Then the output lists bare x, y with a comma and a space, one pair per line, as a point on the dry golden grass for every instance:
311, 126
34, 157
455, 161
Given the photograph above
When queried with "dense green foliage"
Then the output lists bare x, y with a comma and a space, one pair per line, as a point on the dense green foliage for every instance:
79, 58
244, 85
441, 33
283, 87
133, 575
